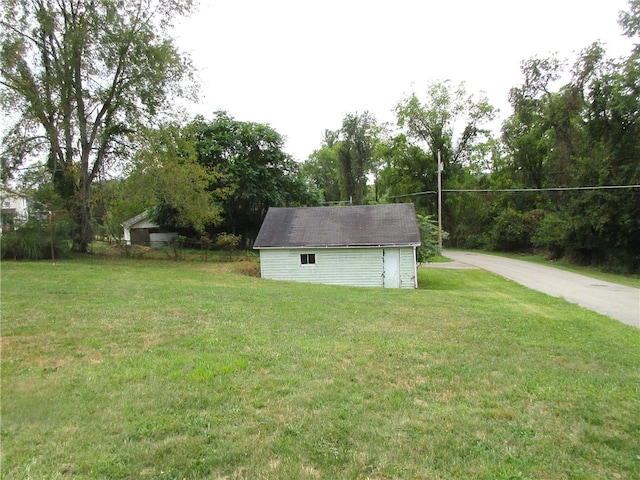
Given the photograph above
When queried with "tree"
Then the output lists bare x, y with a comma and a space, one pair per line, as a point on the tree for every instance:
527, 132
605, 225
408, 170
83, 76
429, 245
114, 201
177, 186
322, 168
433, 125
630, 22
584, 134
355, 156
254, 173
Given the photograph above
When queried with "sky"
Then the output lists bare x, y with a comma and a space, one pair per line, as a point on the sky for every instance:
301, 66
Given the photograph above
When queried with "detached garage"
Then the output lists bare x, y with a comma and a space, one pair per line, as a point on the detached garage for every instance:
141, 230
367, 246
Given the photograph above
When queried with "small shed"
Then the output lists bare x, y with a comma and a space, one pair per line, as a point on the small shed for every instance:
368, 245
141, 230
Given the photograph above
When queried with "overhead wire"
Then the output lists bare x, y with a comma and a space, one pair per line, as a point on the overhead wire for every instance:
519, 190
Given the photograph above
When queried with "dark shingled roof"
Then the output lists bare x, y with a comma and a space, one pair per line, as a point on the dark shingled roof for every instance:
366, 225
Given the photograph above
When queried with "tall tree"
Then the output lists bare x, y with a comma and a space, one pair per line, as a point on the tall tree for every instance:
630, 23
450, 121
527, 132
434, 122
254, 173
176, 185
83, 77
355, 156
584, 134
407, 170
606, 225
322, 167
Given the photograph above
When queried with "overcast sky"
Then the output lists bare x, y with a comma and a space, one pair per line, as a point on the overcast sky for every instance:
300, 66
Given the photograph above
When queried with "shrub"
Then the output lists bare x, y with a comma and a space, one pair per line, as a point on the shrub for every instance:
205, 244
512, 230
228, 242
32, 241
429, 247
475, 242
551, 235
177, 246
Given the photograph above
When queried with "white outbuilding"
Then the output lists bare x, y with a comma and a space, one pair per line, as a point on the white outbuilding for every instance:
141, 230
368, 245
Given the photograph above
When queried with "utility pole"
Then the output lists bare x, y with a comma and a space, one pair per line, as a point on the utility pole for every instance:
440, 168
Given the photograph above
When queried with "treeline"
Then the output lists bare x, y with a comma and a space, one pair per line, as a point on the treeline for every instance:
563, 178
205, 179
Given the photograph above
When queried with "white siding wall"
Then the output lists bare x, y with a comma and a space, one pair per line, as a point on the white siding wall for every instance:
408, 268
159, 238
335, 266
17, 203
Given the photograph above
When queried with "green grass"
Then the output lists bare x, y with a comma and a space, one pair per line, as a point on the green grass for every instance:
439, 259
122, 369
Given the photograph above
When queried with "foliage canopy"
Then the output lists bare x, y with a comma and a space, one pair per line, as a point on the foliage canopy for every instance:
82, 78
252, 172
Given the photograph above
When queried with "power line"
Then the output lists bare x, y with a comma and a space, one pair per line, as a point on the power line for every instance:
549, 189
428, 192
520, 190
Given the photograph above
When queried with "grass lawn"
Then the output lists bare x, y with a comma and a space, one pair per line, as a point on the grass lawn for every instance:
123, 369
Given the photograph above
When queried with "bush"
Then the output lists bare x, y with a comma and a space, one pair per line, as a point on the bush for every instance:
512, 230
429, 247
32, 241
551, 235
177, 246
475, 242
228, 242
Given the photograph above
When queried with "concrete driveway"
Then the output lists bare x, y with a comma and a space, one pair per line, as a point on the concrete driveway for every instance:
616, 301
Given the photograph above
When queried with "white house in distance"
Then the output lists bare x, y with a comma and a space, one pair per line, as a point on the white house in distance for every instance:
368, 245
15, 208
140, 230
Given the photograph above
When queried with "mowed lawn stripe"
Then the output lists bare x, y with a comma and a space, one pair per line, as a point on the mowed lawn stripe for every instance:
157, 369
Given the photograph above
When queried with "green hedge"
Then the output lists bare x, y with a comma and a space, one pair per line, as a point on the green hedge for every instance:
32, 241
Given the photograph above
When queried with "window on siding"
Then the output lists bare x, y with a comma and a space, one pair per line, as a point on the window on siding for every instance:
307, 259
